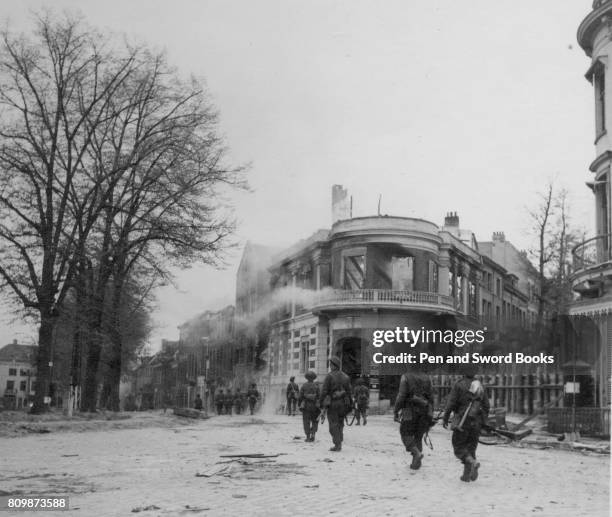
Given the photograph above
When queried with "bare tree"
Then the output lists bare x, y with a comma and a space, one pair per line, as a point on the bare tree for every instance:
55, 88
541, 219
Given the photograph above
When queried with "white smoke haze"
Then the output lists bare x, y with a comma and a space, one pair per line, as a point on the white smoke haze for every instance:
280, 298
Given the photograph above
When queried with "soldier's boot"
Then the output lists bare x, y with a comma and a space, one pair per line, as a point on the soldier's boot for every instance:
474, 471
468, 466
357, 423
365, 420
417, 458
336, 448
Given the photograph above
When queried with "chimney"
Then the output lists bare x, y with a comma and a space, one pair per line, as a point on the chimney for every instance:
499, 236
14, 341
451, 219
341, 208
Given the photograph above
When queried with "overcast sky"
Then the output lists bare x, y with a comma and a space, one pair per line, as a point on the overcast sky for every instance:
467, 106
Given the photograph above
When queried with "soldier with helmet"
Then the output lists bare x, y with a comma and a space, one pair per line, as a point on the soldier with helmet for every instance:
470, 407
337, 399
292, 395
414, 411
308, 402
362, 400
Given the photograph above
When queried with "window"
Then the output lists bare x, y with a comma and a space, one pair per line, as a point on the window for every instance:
433, 277
600, 101
311, 364
10, 385
498, 287
354, 272
473, 299
304, 357
313, 352
12, 372
22, 385
24, 373
402, 273
313, 330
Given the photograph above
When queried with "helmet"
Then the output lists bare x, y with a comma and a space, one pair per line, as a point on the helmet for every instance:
335, 360
310, 375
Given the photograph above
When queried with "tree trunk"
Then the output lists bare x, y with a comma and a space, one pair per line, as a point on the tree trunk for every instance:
43, 370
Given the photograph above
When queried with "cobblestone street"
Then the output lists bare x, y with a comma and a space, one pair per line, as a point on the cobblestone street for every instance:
154, 472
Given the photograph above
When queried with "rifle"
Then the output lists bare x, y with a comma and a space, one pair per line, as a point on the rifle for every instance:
323, 415
476, 390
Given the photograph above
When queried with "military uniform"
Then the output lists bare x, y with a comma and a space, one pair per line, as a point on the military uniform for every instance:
219, 401
336, 398
362, 401
228, 402
238, 402
414, 409
308, 402
467, 395
252, 397
292, 394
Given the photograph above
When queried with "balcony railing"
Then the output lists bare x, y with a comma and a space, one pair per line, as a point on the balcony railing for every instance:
369, 297
592, 252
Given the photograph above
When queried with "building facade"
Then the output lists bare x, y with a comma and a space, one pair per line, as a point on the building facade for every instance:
588, 349
334, 289
17, 374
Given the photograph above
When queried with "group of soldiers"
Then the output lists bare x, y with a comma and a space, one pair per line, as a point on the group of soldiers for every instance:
467, 403
335, 399
225, 400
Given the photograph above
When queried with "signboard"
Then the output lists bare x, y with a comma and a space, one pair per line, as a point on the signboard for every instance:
572, 387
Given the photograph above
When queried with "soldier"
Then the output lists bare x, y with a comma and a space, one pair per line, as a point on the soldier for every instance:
414, 411
336, 399
292, 394
470, 406
253, 397
219, 401
308, 402
198, 402
228, 402
362, 400
238, 401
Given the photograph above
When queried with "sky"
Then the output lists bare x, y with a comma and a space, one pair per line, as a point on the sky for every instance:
435, 106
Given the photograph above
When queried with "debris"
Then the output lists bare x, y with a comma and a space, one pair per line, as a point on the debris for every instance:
311, 486
253, 455
212, 472
69, 455
145, 508
190, 413
239, 496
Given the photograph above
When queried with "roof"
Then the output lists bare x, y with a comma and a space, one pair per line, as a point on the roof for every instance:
18, 353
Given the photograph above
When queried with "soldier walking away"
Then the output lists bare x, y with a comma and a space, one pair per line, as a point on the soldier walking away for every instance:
219, 401
198, 402
308, 402
336, 399
362, 400
228, 402
470, 407
292, 395
414, 411
253, 397
238, 401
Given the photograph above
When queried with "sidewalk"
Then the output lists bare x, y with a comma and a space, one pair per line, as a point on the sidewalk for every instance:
177, 471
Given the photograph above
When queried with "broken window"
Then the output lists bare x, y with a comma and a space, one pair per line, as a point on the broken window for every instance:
402, 273
354, 272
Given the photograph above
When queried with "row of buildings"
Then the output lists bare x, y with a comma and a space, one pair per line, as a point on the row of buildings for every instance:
328, 293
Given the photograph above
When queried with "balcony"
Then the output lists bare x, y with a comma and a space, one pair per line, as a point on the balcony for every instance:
337, 299
592, 262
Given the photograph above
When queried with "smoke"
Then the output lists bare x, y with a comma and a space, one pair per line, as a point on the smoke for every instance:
279, 299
